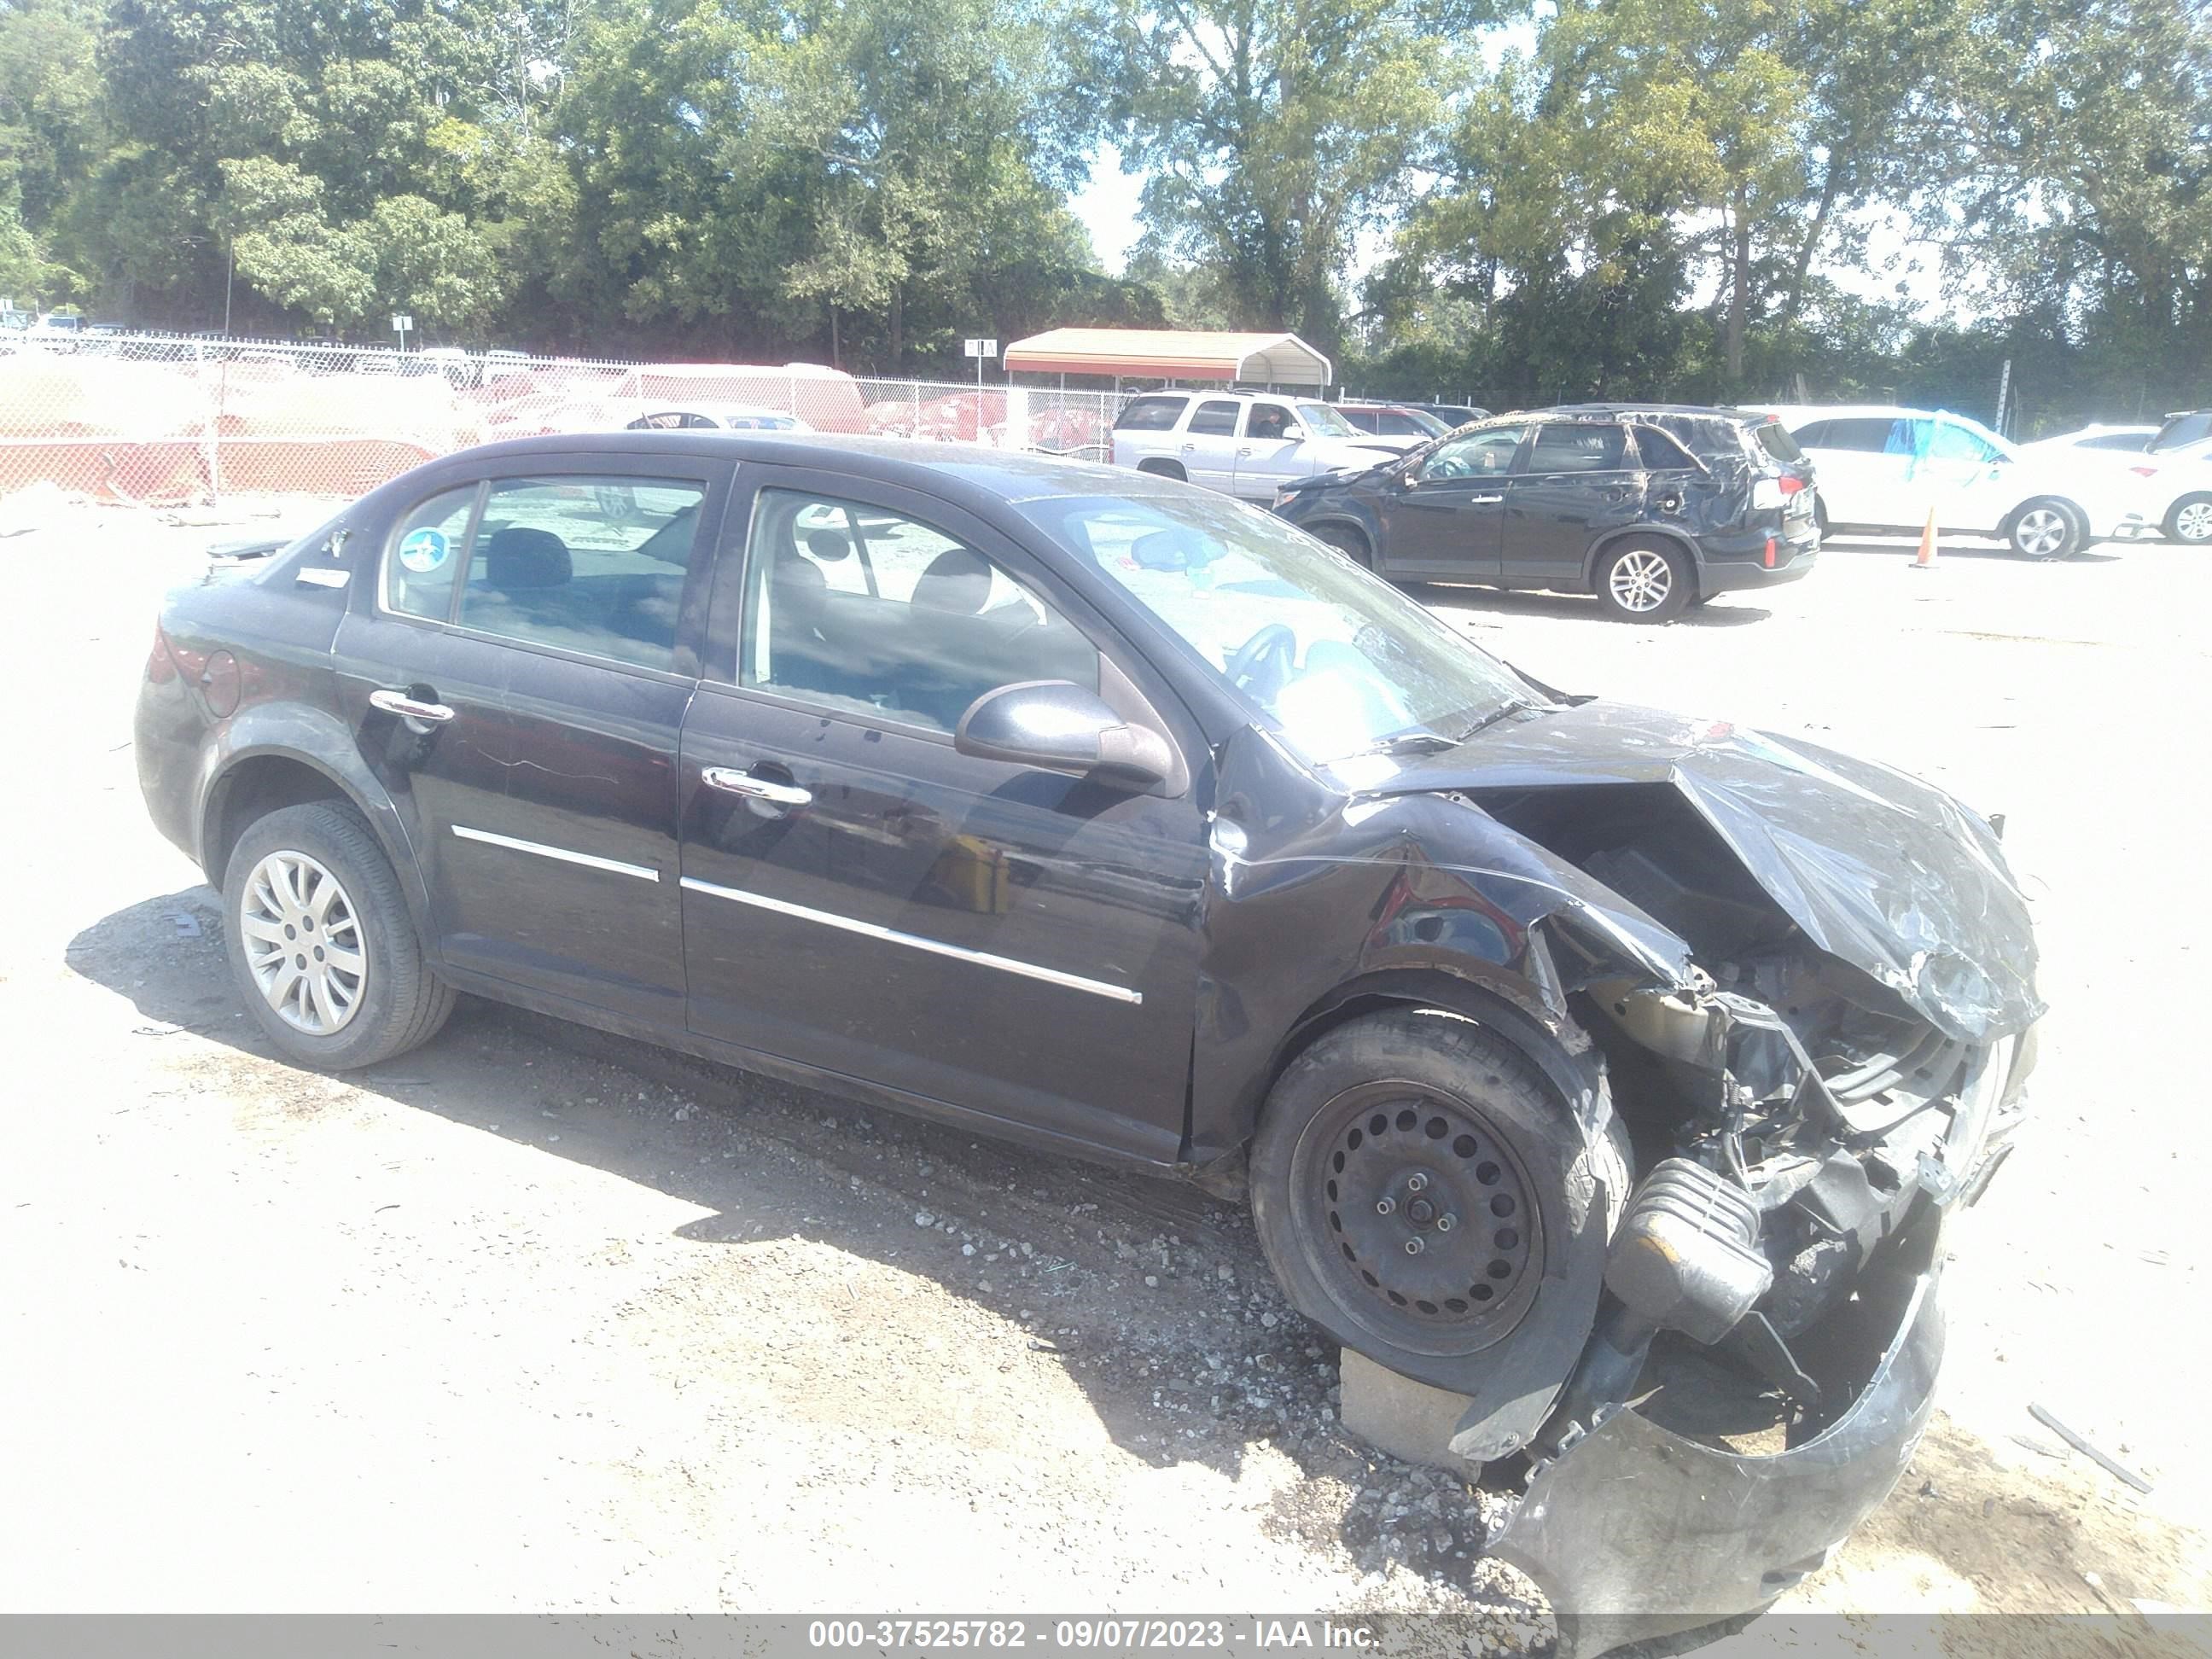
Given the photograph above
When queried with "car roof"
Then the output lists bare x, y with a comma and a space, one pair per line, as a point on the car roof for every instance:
953, 469
1705, 411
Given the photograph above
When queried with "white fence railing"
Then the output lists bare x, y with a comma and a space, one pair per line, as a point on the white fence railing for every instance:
166, 419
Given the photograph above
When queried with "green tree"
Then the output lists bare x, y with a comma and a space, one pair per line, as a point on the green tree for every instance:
1276, 132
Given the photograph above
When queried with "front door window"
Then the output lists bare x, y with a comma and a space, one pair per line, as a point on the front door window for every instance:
879, 614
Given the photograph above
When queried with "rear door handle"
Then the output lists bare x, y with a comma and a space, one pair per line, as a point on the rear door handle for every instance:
398, 702
731, 781
1483, 500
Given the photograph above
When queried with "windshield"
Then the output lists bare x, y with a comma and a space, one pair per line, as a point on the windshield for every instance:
1324, 422
1336, 660
1428, 422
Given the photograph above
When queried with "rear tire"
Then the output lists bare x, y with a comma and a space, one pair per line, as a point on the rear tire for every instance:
1644, 580
320, 943
1470, 1128
2047, 528
2189, 520
1165, 470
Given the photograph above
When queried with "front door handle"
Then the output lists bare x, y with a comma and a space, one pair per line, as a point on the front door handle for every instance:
1483, 500
731, 781
398, 702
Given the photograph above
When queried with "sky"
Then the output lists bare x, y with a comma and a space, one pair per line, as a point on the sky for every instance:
1108, 207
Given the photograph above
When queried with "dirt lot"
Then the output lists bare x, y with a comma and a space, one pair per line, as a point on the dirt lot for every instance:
536, 1319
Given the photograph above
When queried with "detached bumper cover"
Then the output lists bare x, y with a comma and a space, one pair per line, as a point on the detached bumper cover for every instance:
1636, 1531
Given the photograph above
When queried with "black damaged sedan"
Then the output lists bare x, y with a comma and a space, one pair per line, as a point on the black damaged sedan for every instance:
1653, 507
1566, 1048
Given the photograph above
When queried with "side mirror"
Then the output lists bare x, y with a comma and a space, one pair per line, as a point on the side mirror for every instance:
1056, 726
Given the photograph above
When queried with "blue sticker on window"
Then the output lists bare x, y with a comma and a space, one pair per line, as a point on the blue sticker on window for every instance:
424, 550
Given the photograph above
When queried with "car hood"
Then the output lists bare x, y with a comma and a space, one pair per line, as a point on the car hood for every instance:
1878, 869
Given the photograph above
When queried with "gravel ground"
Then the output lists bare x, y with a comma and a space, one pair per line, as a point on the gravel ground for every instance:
538, 1319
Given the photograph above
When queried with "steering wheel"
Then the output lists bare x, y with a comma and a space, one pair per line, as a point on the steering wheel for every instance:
1274, 647
1445, 463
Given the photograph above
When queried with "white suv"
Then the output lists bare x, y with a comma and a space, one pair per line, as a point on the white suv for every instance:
1243, 443
1884, 467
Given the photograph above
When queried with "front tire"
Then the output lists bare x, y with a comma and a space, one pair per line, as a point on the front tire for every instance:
1413, 1127
1642, 581
1165, 470
320, 943
2047, 528
2189, 520
1350, 543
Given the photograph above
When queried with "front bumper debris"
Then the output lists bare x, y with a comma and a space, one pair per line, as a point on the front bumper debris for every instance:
1635, 1531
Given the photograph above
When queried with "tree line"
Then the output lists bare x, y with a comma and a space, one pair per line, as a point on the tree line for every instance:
1695, 198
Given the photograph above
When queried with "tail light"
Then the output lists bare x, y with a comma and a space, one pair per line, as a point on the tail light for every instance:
1767, 558
1790, 486
2144, 472
160, 665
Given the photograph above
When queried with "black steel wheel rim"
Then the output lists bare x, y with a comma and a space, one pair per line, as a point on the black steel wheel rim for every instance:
1418, 1216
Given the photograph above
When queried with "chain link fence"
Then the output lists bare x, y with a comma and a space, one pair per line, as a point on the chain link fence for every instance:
165, 420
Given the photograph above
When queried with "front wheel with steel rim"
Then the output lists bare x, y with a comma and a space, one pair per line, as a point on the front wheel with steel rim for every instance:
2191, 520
1645, 581
2046, 529
1424, 1196
320, 942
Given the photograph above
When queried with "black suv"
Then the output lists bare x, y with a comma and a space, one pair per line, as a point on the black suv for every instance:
1094, 808
1652, 508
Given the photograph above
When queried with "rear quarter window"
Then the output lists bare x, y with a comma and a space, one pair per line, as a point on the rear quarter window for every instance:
1150, 415
1774, 438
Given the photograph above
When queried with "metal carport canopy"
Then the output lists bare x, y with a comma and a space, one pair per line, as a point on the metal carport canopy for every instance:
1171, 354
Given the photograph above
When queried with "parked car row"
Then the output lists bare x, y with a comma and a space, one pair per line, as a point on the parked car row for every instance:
1657, 508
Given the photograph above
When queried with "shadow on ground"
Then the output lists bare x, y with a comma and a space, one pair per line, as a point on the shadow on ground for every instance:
1724, 610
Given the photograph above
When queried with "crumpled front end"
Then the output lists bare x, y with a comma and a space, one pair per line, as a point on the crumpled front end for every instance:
1835, 1071
1637, 1530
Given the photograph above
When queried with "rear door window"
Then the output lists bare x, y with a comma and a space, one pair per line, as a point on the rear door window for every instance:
1214, 418
1577, 447
584, 563
424, 557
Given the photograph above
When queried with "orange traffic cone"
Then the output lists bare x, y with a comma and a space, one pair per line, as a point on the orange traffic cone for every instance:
1926, 559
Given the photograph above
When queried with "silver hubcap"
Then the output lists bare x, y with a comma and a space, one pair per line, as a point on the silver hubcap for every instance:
303, 943
1641, 581
2194, 522
2041, 533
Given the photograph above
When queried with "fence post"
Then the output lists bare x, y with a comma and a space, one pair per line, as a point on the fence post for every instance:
215, 431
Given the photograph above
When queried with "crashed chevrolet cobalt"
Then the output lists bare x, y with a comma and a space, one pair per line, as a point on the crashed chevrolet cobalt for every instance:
1616, 1070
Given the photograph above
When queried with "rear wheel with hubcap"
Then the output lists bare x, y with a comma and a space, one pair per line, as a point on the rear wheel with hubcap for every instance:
1645, 581
320, 943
